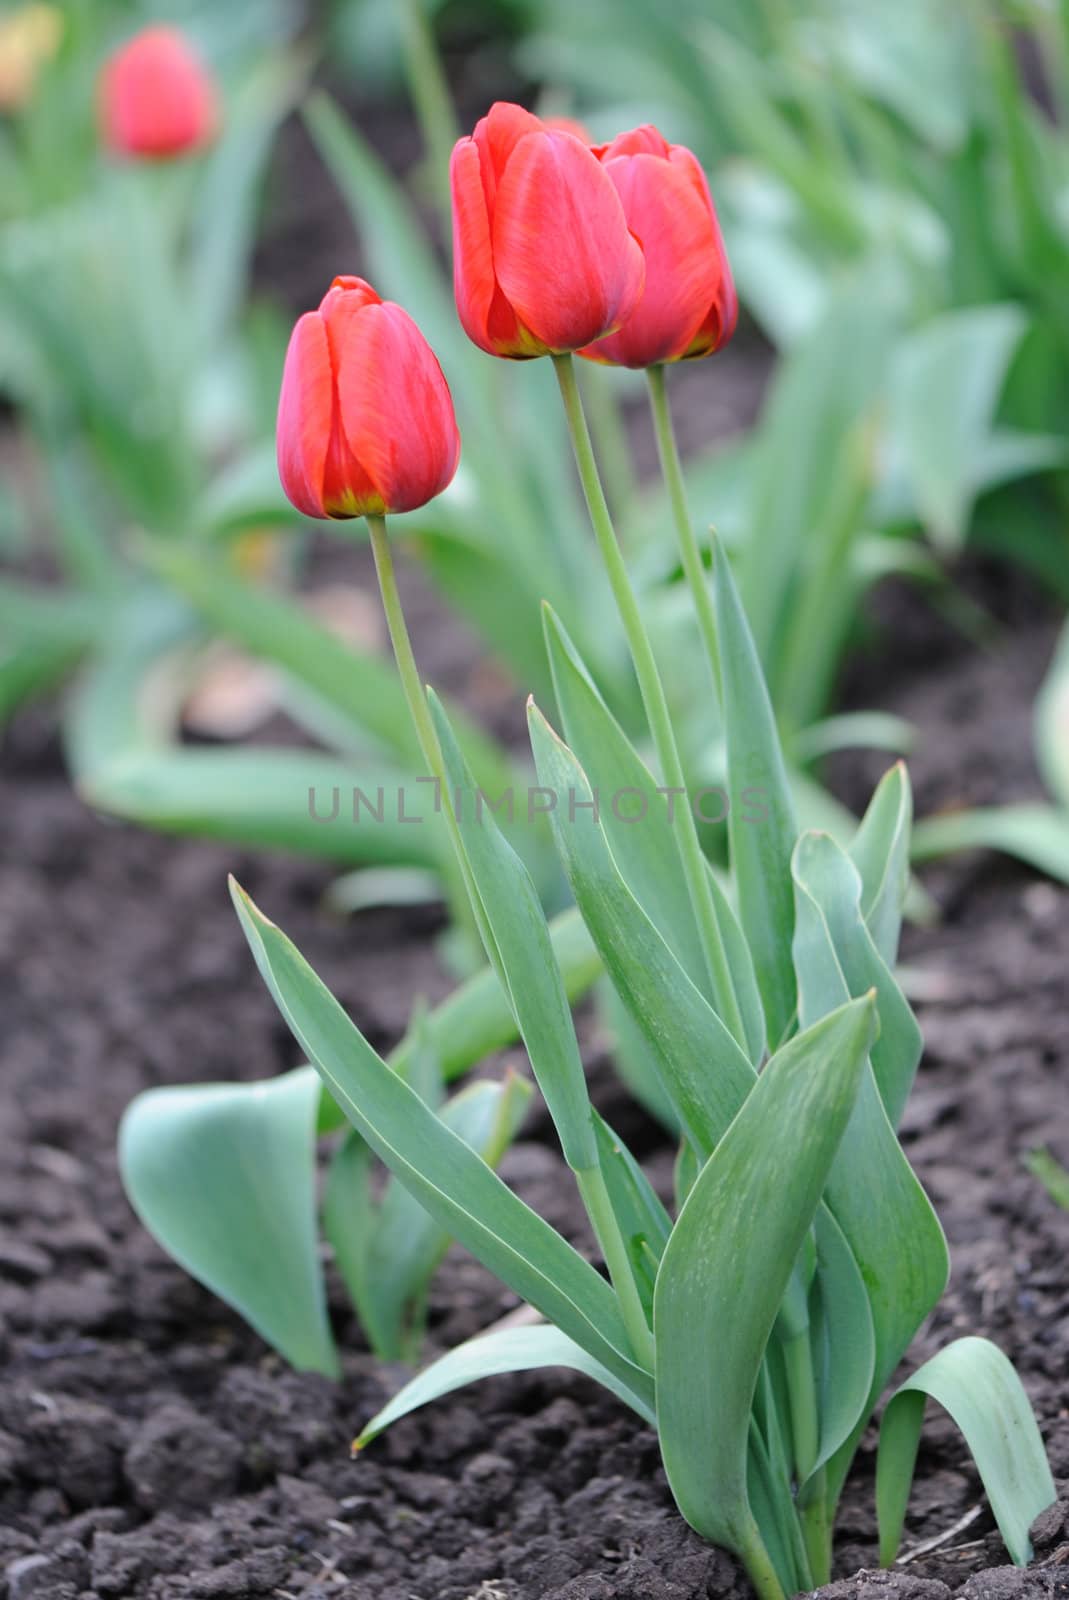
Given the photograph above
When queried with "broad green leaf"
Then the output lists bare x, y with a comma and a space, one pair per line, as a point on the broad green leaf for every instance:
388, 1251
278, 799
761, 821
703, 1070
880, 852
521, 944
945, 387
455, 1185
644, 850
828, 877
363, 687
974, 1381
44, 634
129, 696
643, 1221
872, 1192
1036, 834
727, 1265
807, 437
488, 1356
477, 1018
224, 1177
634, 1063
1052, 725
842, 1338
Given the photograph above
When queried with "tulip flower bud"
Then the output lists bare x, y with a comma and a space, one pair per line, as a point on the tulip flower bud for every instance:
156, 98
365, 417
543, 258
688, 306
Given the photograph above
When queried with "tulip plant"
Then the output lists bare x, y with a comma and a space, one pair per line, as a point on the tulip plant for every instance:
757, 1327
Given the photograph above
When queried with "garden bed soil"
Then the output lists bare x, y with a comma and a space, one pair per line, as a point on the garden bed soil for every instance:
151, 1446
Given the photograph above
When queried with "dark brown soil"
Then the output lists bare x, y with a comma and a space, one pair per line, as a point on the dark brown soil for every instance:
150, 1446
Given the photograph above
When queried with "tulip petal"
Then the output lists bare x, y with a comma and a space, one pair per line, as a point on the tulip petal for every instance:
719, 323
683, 264
305, 408
496, 136
646, 140
562, 251
473, 258
395, 408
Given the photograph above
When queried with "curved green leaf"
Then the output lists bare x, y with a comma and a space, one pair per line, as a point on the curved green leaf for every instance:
646, 852
389, 1250
1038, 835
974, 1381
827, 876
872, 1192
880, 852
761, 821
223, 1175
1052, 724
520, 943
488, 1356
280, 799
455, 1185
704, 1071
727, 1265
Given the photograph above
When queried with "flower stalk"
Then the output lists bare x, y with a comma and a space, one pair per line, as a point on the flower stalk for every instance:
653, 698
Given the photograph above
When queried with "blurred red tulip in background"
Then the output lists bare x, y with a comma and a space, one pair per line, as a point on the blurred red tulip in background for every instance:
157, 99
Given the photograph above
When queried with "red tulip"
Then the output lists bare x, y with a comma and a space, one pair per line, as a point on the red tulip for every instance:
543, 259
688, 307
365, 417
156, 98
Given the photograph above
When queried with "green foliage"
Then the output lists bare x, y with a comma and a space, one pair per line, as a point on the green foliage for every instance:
762, 1325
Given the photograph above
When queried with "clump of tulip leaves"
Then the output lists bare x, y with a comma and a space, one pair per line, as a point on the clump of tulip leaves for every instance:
775, 1306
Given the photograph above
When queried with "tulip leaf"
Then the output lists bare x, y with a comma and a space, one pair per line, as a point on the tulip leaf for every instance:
491, 1354
945, 387
477, 1019
872, 1192
731, 1255
761, 845
842, 1338
642, 1219
1052, 724
880, 852
827, 876
361, 686
977, 1385
388, 1251
645, 852
463, 1194
521, 945
703, 1070
294, 800
224, 1177
1036, 834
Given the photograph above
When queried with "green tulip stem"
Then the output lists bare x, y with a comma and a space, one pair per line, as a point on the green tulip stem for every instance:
695, 867
591, 1184
693, 567
420, 713
404, 655
760, 1570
